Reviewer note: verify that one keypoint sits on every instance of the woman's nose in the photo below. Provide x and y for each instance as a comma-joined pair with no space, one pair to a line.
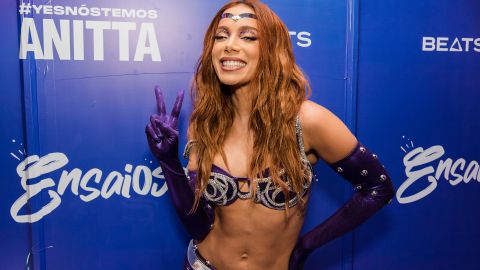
232,44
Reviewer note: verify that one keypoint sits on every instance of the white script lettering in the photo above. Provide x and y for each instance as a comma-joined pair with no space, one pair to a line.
419,157
33,170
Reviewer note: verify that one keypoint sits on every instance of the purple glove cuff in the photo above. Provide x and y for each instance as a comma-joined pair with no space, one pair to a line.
198,223
374,189
363,169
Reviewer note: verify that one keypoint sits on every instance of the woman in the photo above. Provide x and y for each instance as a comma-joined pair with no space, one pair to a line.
253,137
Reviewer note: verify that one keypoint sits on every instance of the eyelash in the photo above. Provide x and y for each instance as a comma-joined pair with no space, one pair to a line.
250,38
218,37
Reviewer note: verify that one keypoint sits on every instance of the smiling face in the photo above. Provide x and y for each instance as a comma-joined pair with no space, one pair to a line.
236,51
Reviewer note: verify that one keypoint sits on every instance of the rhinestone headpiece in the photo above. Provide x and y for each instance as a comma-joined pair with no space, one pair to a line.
239,16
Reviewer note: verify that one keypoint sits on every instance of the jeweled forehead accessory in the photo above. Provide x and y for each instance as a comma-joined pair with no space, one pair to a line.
235,18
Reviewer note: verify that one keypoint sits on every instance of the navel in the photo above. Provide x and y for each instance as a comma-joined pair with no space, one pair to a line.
244,256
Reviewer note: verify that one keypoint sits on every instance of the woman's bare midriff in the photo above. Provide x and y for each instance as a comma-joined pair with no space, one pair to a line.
248,235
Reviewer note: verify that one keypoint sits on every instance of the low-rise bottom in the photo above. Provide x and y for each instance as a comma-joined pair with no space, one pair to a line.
194,260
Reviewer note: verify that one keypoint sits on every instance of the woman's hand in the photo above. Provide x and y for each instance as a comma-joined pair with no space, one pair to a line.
298,257
162,136
329,138
162,131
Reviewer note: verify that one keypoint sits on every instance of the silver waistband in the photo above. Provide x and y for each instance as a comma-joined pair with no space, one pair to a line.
195,262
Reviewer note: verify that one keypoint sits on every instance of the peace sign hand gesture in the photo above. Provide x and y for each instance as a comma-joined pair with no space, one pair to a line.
162,131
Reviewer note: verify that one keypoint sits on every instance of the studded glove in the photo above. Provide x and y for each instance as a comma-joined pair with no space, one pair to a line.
373,190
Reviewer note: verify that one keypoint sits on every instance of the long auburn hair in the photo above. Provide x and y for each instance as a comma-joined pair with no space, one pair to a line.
281,88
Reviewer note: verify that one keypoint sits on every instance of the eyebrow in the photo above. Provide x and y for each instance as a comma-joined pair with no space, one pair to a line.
242,28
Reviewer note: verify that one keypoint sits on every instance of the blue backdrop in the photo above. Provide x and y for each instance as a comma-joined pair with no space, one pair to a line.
80,189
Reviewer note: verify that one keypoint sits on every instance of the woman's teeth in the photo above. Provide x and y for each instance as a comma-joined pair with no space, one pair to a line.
233,64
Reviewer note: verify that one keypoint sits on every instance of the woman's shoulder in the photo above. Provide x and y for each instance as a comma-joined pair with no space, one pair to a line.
324,133
310,109
313,115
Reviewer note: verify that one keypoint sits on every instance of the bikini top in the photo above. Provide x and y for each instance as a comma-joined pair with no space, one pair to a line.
223,189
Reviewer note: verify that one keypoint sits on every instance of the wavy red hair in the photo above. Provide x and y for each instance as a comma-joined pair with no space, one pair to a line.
281,88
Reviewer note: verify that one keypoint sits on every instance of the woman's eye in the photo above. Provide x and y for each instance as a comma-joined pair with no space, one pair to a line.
219,37
249,38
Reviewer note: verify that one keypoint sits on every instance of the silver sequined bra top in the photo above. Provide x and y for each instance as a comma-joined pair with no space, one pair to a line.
223,188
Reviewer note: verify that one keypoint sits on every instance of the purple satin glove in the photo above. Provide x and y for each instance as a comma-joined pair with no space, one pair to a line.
162,137
374,190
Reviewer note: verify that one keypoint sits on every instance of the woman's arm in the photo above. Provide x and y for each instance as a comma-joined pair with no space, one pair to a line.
162,137
330,140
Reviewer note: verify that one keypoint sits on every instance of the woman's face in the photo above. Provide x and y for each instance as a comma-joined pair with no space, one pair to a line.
236,50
